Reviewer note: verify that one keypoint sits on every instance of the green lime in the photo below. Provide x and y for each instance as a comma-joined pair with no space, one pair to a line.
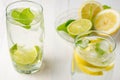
25,16
63,26
24,55
79,26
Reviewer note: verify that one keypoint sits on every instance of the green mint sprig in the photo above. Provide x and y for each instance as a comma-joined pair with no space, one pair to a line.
99,50
106,7
63,27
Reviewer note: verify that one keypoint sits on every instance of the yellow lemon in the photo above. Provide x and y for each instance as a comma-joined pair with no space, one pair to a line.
107,21
88,68
89,9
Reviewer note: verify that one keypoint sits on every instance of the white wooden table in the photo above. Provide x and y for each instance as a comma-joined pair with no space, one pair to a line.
57,52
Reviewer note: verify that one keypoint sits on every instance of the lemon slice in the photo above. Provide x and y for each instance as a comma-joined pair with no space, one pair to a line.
107,21
90,72
90,9
80,60
90,68
79,26
110,67
24,55
86,70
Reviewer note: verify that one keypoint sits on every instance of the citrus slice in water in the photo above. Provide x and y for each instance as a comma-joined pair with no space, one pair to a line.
82,65
79,26
90,9
24,55
107,21
80,60
88,68
88,71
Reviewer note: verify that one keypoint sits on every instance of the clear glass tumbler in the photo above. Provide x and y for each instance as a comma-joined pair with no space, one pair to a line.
25,28
93,57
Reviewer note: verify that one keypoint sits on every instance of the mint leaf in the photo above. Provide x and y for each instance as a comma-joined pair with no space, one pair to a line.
83,43
68,22
99,50
25,17
63,27
13,48
106,7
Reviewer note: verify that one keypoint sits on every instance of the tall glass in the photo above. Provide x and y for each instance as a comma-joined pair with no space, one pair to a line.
25,28
93,57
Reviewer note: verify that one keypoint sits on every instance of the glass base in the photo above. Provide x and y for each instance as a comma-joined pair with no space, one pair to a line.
28,69
83,76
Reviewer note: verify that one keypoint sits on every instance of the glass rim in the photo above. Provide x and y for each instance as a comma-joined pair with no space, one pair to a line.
18,2
96,31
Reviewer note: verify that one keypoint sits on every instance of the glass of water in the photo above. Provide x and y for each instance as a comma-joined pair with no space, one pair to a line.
25,29
93,57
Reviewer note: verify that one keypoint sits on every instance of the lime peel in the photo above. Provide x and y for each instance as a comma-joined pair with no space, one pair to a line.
63,27
24,56
25,17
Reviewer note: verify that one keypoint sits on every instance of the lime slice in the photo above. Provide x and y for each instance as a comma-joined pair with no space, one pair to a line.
63,27
79,26
24,55
90,9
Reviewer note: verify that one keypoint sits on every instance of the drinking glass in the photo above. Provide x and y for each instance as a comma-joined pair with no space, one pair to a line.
25,29
87,64
93,57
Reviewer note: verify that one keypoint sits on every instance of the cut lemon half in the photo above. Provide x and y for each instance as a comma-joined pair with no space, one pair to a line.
79,26
107,21
89,9
24,55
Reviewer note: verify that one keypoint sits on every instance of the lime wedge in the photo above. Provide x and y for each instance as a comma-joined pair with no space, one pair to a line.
25,17
79,26
22,55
